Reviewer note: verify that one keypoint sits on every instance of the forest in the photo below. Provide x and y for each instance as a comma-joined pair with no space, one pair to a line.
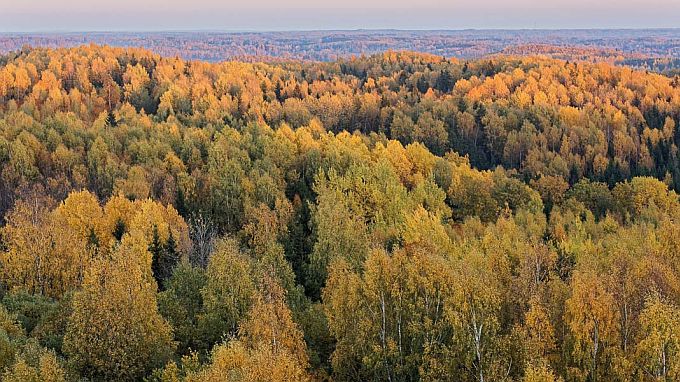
329,45
393,217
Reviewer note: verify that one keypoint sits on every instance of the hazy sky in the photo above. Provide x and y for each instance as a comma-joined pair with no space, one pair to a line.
79,15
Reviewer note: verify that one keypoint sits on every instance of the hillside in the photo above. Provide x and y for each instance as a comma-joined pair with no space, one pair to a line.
396,217
329,45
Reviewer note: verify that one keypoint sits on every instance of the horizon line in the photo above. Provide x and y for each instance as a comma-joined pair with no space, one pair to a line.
236,31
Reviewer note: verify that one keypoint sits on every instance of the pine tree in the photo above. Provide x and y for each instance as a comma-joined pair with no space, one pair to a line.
119,229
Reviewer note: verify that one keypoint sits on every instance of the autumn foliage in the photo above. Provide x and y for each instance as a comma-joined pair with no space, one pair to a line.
396,217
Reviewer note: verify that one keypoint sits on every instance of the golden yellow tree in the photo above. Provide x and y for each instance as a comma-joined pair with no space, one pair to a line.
658,352
593,321
44,255
115,331
269,347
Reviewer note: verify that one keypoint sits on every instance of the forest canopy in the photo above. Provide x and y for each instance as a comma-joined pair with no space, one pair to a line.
394,217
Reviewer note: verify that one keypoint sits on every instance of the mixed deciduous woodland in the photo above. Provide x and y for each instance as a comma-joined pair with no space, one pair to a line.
396,217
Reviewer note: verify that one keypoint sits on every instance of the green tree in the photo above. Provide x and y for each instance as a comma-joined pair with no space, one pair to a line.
228,292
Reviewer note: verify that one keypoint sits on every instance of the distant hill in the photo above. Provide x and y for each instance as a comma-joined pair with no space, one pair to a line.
330,45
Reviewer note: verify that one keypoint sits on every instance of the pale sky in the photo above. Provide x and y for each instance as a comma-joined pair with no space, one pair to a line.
273,15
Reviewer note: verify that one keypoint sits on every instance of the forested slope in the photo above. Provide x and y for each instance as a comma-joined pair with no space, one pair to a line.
397,217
